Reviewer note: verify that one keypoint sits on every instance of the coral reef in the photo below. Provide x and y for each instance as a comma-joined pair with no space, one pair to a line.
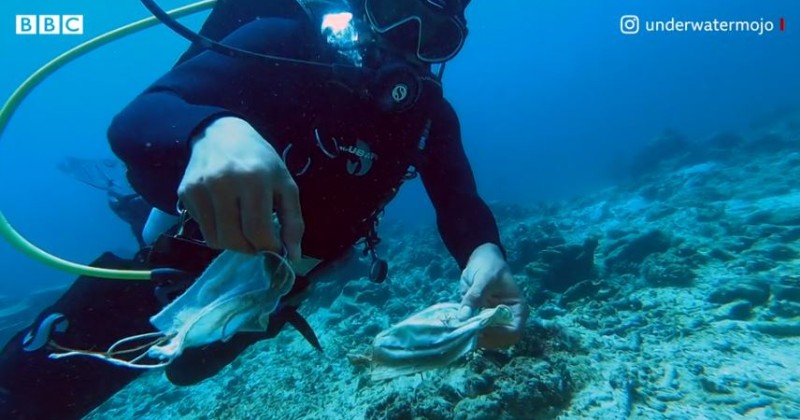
673,296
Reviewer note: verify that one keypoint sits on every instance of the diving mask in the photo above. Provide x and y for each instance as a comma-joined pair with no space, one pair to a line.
440,24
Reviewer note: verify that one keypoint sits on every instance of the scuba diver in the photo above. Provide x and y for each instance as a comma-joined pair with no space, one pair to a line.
109,175
317,111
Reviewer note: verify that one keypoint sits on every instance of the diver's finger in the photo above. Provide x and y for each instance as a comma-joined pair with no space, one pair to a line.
256,221
501,336
229,222
290,216
198,204
267,199
467,277
472,298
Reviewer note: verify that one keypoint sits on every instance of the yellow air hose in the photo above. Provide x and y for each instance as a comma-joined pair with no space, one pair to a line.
10,106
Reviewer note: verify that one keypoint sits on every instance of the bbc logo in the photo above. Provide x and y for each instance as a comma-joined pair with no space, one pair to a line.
49,24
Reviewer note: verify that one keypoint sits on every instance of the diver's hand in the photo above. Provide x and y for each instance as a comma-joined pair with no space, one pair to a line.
231,182
487,282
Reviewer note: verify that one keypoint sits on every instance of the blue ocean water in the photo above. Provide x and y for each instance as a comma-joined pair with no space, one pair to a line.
554,103
551,97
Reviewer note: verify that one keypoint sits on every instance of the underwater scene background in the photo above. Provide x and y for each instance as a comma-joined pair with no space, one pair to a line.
646,186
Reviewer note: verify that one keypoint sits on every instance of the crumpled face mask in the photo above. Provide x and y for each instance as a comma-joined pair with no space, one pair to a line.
430,339
236,293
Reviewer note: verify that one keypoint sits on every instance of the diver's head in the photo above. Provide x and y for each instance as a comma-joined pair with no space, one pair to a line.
430,31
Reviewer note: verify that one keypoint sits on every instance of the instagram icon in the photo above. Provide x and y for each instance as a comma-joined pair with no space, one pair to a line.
629,24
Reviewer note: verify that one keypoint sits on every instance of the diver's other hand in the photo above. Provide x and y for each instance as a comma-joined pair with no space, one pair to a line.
486,283
231,182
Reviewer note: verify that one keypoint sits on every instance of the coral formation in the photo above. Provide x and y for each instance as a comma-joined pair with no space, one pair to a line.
673,296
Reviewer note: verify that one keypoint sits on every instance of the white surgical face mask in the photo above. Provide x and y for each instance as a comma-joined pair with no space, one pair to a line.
236,293
432,338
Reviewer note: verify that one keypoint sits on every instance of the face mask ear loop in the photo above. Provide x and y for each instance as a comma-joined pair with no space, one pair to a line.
109,355
111,360
282,264
161,338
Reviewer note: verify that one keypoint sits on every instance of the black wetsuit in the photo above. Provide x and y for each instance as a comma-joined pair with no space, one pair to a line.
321,124
347,157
